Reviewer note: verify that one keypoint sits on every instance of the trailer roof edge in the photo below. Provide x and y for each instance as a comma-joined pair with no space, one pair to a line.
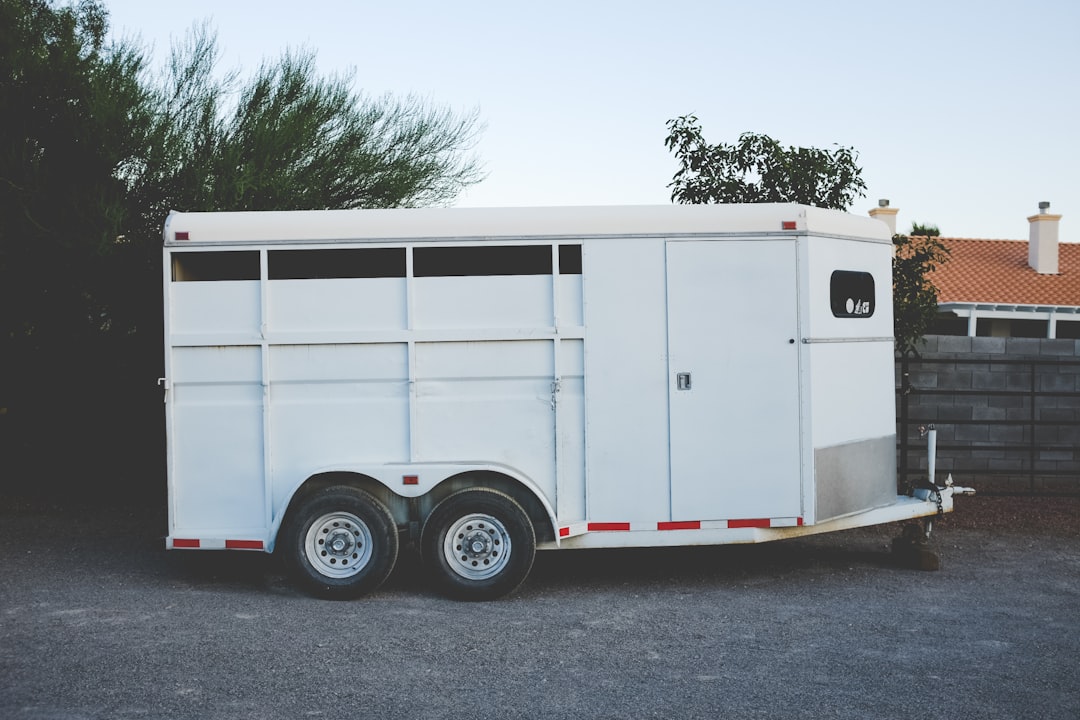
474,223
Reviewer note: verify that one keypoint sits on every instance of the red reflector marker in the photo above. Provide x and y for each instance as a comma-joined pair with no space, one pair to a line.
181,235
410,480
608,526
750,523
679,525
786,225
243,545
185,543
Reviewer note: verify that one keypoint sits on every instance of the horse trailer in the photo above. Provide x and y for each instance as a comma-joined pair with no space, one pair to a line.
490,382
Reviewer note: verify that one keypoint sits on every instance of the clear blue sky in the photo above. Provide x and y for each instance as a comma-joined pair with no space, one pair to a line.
964,114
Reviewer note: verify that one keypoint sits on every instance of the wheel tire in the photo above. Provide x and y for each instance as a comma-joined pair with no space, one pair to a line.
340,543
500,550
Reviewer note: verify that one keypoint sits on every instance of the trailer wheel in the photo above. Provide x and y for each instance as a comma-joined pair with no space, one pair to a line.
340,543
479,544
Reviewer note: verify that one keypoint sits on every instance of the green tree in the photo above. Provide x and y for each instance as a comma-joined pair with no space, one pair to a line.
915,299
288,138
757,169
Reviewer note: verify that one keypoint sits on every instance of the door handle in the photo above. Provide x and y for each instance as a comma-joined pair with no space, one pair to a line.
682,381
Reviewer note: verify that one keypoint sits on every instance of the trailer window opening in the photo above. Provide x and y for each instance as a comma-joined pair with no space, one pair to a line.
215,266
474,260
851,294
337,263
569,259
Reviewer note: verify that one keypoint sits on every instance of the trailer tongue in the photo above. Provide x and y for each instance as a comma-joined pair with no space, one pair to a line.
924,503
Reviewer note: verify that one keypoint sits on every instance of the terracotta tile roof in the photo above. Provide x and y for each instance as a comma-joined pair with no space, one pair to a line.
997,271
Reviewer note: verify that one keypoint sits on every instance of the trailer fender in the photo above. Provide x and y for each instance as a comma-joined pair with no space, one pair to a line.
425,484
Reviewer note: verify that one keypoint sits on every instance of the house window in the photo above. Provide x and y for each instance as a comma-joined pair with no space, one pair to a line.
1002,327
1068,329
1030,328
948,324
851,294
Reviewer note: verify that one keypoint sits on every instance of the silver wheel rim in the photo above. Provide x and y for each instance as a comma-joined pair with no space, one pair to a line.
477,546
338,545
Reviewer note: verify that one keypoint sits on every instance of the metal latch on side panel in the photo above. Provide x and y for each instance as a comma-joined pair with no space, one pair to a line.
682,381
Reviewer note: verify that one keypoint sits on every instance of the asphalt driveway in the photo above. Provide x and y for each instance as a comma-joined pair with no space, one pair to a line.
98,621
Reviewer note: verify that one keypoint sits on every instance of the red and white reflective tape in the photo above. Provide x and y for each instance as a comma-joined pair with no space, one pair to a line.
587,527
213,544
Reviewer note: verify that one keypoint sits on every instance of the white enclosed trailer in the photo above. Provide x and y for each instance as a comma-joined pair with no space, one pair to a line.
493,381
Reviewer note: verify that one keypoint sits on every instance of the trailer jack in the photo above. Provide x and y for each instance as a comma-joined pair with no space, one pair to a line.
912,547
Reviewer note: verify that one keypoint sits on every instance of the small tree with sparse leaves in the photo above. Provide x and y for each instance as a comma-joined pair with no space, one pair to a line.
915,299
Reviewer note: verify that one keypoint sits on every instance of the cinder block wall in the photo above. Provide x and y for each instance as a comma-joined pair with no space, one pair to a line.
1007,412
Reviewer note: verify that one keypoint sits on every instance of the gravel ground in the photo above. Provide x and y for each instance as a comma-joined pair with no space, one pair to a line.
97,621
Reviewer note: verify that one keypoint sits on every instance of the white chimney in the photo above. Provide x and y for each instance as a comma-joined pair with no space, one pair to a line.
1043,241
885,214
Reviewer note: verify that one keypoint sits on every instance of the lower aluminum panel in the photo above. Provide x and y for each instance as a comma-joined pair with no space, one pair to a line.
854,477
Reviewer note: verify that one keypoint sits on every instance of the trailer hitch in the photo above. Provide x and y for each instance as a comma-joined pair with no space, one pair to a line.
929,488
